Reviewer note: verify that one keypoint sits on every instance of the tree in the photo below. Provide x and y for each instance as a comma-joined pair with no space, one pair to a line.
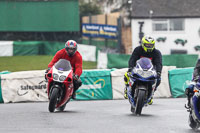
88,8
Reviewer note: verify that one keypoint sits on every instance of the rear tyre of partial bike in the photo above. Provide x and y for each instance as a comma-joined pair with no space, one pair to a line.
194,125
140,102
53,99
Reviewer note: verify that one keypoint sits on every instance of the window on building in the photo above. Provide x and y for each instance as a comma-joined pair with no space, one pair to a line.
176,24
168,25
160,25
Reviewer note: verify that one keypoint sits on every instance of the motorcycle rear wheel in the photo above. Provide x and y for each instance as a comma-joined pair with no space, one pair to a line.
53,99
139,102
63,107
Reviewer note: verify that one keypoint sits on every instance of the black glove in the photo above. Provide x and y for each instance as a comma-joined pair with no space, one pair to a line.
196,78
46,73
130,69
75,77
47,70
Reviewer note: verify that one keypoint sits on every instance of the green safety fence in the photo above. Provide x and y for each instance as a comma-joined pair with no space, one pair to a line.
178,80
25,48
36,47
117,60
96,85
1,98
50,48
178,60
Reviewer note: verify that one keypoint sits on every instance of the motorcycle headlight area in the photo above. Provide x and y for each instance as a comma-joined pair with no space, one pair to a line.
145,74
62,78
55,76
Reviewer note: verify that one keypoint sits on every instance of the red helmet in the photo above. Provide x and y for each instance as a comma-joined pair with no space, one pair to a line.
71,47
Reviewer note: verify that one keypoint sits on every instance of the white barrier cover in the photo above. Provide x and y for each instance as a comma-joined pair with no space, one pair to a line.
6,48
102,60
88,52
24,86
117,79
163,89
117,76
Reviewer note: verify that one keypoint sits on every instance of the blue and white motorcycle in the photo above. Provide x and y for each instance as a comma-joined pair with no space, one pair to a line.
194,106
142,84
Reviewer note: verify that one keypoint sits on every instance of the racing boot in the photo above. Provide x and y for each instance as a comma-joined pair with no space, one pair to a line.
151,101
74,95
125,93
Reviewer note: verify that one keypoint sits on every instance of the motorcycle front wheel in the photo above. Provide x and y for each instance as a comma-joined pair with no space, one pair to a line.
53,99
139,102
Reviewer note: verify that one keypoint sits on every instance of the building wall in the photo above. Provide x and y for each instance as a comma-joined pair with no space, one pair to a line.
191,34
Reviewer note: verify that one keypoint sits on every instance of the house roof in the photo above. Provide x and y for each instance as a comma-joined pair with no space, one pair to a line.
165,8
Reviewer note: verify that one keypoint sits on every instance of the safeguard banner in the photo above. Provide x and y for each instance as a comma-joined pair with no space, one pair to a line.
96,85
99,30
28,86
23,86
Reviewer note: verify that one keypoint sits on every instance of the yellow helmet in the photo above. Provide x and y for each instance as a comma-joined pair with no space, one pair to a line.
148,43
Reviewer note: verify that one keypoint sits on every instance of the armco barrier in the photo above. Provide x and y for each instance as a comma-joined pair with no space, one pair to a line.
24,86
178,80
97,84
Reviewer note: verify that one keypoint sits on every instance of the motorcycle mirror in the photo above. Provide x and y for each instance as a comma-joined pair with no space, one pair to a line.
49,75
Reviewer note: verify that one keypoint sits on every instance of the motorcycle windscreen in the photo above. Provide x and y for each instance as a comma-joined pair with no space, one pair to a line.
145,63
63,65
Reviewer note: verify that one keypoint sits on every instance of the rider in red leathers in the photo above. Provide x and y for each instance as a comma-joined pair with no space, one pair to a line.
71,54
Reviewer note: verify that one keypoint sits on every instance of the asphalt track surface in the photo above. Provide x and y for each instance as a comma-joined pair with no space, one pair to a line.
104,116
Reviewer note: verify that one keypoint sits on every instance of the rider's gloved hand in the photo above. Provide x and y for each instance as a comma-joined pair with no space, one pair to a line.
46,73
196,78
130,69
75,77
189,90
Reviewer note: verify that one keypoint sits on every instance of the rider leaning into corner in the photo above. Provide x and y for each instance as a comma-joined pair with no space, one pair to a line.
71,54
147,49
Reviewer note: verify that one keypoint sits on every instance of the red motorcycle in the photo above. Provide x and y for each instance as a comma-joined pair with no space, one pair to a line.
60,85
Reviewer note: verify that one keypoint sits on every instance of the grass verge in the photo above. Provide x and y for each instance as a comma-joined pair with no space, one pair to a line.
26,63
